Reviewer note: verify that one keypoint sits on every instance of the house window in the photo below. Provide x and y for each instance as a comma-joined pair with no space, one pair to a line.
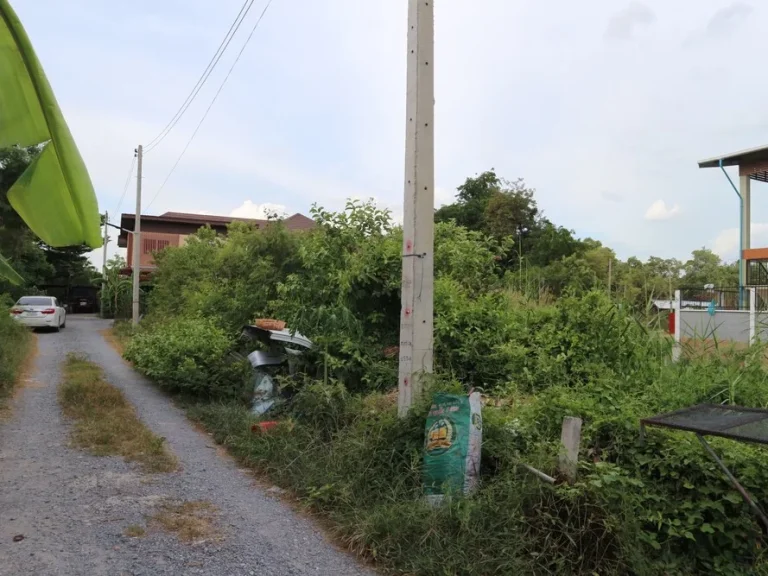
154,245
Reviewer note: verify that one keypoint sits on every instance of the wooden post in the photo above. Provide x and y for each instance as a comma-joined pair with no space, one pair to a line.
570,440
418,208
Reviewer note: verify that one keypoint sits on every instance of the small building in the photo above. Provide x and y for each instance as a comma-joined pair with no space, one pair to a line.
173,229
753,167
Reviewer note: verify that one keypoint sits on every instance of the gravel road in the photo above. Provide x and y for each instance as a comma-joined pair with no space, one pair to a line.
72,508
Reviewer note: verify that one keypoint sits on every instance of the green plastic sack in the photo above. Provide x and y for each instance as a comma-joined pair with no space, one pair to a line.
452,447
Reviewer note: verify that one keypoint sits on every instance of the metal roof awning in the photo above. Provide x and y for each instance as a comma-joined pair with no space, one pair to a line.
755,160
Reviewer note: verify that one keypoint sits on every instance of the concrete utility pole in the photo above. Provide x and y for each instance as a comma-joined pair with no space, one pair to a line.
416,319
104,262
137,238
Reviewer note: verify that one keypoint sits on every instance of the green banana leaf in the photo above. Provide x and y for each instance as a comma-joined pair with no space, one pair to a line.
54,196
9,273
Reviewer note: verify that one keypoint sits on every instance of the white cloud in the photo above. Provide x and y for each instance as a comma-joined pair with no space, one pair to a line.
726,244
659,211
726,19
623,24
259,211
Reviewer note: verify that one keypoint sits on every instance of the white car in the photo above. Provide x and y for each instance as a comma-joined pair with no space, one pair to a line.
40,312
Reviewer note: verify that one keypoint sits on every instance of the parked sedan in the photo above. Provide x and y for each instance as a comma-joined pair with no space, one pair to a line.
40,312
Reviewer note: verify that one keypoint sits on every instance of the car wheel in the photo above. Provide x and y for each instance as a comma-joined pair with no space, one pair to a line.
65,323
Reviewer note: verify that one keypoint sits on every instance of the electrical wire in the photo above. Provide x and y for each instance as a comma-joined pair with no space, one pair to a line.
127,182
233,28
239,54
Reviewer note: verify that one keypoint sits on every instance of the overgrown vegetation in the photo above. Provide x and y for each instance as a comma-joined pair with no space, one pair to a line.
105,423
15,343
538,355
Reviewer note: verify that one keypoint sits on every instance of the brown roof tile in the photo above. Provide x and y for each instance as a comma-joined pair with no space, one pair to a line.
295,222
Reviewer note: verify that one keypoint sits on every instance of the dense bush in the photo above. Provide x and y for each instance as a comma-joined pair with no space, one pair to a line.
229,282
14,347
189,355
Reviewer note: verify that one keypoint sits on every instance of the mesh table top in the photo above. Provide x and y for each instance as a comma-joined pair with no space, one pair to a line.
735,422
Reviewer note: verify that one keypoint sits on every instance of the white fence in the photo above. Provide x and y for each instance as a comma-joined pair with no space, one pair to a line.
746,326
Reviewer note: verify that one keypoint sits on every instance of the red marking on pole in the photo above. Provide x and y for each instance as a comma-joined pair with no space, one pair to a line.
407,311
408,245
405,380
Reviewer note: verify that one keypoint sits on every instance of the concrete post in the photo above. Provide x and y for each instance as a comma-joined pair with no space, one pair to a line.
752,316
416,316
676,347
570,440
137,240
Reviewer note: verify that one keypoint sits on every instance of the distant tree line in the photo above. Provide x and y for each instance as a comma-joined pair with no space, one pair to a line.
542,256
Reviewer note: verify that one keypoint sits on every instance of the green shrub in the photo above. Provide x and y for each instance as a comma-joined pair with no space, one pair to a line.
15,341
189,355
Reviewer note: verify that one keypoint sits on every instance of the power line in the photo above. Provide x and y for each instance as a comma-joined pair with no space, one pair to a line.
127,182
239,54
234,27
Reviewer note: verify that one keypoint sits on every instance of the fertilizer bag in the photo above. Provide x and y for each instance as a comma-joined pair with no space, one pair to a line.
454,436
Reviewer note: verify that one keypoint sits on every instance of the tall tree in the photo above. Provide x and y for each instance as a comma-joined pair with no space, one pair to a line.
706,267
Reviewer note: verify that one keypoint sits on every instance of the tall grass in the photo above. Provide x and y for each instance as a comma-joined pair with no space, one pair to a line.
15,345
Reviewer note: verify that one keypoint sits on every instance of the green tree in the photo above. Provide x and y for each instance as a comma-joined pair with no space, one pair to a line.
706,267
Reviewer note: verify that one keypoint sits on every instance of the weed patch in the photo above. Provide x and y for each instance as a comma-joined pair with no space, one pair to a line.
105,423
190,521
134,531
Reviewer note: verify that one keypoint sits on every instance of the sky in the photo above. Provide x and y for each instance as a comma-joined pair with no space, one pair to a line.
603,107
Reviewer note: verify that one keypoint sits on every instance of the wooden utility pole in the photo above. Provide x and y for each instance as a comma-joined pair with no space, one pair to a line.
416,319
137,238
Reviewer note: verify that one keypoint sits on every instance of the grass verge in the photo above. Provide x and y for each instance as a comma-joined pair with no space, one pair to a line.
118,335
105,423
190,521
17,348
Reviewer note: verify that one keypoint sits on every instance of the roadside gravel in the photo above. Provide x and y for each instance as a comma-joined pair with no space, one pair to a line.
72,509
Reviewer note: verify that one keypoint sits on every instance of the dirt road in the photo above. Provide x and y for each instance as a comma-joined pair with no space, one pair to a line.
72,509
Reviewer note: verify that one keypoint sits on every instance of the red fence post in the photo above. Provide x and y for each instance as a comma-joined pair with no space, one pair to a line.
672,322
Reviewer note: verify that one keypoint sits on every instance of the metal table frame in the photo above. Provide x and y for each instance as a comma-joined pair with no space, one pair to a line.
752,415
